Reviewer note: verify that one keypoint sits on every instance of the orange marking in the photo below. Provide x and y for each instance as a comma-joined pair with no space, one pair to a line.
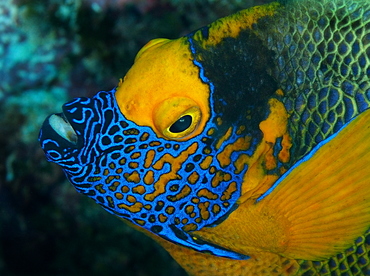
139,190
109,179
216,209
114,186
135,155
219,121
149,178
193,178
240,130
140,222
226,195
94,178
207,194
270,160
284,154
257,180
131,131
133,165
176,163
242,143
149,158
203,208
232,25
279,92
185,191
211,131
106,172
170,210
144,137
100,188
110,201
217,179
132,177
112,165
135,208
162,218
206,162
125,189
190,227
118,195
224,138
122,161
189,209
195,200
154,144
120,170
212,170
184,221
131,199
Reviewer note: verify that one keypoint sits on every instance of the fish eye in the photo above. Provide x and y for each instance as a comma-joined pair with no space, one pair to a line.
181,124
177,118
184,124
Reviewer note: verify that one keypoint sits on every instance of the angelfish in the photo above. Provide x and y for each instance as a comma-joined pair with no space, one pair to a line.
243,148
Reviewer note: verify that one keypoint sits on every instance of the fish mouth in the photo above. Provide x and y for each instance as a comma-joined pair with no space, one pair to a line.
56,127
60,124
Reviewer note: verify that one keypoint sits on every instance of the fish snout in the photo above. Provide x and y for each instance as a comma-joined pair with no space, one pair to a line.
57,137
61,134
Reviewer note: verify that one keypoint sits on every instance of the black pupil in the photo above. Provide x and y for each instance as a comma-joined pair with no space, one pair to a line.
181,124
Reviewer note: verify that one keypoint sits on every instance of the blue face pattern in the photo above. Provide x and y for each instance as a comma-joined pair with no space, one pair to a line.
167,187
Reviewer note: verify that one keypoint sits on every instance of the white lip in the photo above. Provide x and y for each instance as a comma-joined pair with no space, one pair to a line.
63,128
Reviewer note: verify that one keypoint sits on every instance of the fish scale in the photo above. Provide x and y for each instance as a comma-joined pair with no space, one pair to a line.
318,53
244,151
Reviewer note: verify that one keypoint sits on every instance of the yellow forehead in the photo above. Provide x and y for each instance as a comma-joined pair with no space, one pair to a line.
163,83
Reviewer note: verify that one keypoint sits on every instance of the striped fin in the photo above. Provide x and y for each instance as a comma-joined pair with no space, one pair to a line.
317,210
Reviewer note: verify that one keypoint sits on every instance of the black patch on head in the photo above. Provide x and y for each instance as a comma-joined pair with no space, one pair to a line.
240,70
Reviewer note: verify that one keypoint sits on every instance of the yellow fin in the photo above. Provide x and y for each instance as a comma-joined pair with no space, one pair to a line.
316,211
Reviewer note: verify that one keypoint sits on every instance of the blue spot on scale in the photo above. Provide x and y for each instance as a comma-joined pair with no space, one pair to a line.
333,97
362,105
343,69
317,35
355,70
349,37
349,109
355,48
312,128
323,93
347,60
348,88
325,128
323,108
362,60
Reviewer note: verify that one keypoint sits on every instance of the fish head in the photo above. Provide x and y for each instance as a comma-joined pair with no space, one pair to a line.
153,150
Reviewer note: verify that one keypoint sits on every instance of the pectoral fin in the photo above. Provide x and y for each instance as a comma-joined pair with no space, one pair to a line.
316,210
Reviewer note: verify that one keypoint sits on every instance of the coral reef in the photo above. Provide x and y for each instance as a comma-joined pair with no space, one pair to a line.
52,51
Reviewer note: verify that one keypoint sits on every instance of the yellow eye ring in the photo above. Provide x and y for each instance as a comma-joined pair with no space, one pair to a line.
184,125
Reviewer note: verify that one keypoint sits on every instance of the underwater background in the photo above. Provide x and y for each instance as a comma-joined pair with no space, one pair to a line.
50,52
